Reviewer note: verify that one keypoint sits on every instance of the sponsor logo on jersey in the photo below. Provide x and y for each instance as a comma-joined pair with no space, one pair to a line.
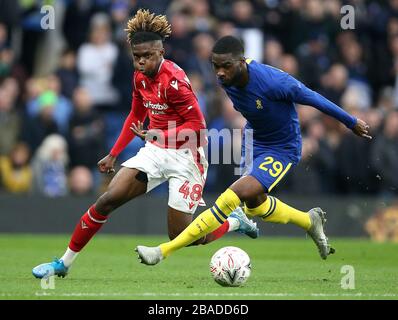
174,84
155,106
157,112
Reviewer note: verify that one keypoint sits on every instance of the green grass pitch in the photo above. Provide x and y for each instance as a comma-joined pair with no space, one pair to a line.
282,268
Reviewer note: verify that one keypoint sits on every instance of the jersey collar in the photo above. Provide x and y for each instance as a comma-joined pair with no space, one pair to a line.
160,66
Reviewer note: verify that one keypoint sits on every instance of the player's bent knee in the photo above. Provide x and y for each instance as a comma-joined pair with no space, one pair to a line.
256,202
245,195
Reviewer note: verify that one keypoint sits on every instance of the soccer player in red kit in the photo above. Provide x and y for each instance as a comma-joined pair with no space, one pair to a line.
161,92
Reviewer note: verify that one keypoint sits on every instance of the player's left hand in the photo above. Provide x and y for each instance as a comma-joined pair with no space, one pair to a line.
362,129
139,131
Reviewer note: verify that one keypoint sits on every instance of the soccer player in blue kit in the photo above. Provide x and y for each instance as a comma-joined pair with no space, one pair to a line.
266,97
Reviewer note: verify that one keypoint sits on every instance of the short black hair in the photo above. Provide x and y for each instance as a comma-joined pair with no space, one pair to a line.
144,36
229,44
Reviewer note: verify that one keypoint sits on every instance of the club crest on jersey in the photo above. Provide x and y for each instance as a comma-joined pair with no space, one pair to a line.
143,84
259,104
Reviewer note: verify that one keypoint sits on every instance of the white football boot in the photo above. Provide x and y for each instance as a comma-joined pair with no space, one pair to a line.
316,232
149,255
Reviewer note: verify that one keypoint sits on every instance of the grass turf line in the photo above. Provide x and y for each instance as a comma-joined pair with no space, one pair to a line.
282,268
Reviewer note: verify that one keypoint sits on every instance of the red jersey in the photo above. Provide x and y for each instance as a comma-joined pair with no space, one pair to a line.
168,101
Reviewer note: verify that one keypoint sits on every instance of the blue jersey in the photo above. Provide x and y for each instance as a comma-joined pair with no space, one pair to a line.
268,104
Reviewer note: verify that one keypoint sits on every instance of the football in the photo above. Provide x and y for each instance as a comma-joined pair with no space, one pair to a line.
230,266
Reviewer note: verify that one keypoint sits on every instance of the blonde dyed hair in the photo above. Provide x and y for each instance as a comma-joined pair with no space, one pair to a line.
145,21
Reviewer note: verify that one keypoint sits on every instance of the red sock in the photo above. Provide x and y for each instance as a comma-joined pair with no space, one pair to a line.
86,228
218,233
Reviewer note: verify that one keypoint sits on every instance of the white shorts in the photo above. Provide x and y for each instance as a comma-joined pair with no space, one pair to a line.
186,175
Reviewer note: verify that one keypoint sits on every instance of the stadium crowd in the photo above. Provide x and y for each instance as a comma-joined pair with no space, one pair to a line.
64,93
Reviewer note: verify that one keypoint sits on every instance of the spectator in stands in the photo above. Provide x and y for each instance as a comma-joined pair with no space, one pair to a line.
313,59
243,15
387,100
179,47
10,122
80,181
205,97
119,14
32,33
51,93
9,67
357,69
15,170
11,86
36,129
49,167
385,155
75,26
305,178
67,73
226,28
353,57
122,78
199,61
315,20
354,173
95,62
3,45
86,138
201,19
356,97
382,226
334,83
324,162
273,53
289,64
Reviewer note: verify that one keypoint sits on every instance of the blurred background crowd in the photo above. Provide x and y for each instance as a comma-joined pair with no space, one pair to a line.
64,93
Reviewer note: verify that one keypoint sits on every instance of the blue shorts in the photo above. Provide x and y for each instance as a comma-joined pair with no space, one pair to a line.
268,167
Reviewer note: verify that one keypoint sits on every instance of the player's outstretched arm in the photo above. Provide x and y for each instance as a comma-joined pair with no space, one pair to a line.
289,88
361,129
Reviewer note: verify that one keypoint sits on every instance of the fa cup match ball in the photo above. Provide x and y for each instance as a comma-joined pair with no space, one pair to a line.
230,266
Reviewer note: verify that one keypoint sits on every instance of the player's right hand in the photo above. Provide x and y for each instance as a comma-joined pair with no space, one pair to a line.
362,129
106,165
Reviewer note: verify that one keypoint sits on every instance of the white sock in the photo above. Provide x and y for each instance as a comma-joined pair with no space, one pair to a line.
233,224
68,257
